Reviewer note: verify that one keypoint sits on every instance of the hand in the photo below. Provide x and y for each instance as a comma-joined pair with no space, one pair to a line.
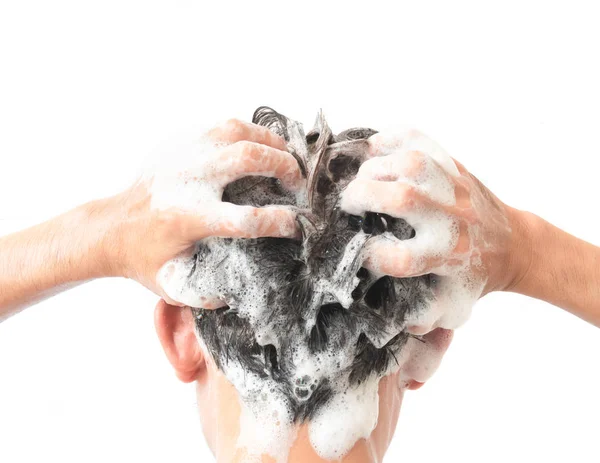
175,205
463,233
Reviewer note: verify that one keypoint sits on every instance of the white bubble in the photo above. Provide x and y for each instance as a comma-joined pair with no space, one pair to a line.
187,180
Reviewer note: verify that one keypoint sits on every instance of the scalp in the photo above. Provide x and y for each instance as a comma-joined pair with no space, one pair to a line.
297,302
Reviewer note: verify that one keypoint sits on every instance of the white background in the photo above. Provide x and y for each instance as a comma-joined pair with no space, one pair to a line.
87,89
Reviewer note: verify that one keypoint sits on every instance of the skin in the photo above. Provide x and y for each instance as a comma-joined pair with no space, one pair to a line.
219,402
505,248
501,248
101,238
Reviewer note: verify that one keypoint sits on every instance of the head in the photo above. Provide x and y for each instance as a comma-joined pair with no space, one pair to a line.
309,356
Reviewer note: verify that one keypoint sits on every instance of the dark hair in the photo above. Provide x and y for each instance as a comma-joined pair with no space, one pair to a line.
356,312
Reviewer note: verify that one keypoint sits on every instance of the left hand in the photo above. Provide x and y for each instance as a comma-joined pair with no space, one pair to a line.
162,216
462,231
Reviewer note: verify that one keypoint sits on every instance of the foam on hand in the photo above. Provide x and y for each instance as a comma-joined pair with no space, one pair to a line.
411,159
190,175
306,333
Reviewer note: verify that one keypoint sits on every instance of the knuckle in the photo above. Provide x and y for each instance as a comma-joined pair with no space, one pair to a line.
462,245
255,222
271,137
416,155
233,125
397,264
228,131
179,225
255,213
462,186
406,262
413,163
244,147
284,161
463,197
168,223
406,194
468,215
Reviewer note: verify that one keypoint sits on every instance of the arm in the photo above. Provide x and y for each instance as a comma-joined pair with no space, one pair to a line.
133,234
558,268
48,258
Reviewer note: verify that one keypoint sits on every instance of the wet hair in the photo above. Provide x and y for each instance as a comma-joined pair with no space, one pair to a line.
316,300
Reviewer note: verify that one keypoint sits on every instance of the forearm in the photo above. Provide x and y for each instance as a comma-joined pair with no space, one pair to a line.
558,268
49,258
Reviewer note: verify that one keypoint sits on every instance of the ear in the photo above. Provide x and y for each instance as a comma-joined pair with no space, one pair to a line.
175,328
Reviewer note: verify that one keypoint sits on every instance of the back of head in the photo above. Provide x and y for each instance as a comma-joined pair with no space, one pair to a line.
307,332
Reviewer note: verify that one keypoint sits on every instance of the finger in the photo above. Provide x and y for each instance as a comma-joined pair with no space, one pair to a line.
420,142
430,251
414,385
405,200
163,305
208,302
387,142
393,198
398,259
212,302
245,158
407,164
383,144
235,130
171,279
413,168
177,296
171,302
202,301
461,168
232,221
439,339
254,222
426,355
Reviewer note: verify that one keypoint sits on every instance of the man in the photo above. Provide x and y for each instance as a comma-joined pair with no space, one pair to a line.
486,244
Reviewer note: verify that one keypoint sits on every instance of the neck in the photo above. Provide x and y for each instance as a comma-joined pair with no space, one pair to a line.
220,412
302,451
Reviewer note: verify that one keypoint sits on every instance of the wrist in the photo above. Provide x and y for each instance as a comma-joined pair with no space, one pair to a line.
98,222
525,232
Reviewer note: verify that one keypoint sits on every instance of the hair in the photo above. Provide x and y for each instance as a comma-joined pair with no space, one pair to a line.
315,301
